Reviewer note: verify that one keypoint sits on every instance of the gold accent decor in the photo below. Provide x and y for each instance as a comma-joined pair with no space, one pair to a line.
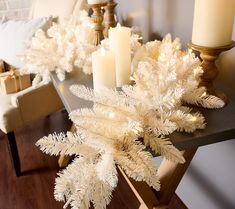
98,18
209,55
110,21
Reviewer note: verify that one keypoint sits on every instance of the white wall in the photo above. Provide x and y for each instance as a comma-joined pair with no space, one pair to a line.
158,17
210,180
15,9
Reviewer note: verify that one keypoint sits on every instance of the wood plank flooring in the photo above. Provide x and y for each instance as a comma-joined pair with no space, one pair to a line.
34,190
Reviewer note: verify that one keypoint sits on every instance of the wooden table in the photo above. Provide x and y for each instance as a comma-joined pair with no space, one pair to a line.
220,127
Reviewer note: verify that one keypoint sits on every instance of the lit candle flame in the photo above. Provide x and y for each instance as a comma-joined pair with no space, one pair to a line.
119,27
102,51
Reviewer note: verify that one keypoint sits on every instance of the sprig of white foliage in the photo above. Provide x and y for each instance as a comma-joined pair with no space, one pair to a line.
63,47
122,124
199,97
179,68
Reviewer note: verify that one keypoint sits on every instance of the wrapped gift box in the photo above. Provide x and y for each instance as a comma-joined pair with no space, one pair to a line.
12,82
2,67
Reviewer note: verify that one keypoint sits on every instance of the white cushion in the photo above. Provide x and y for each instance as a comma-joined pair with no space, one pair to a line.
15,37
60,8
10,117
28,105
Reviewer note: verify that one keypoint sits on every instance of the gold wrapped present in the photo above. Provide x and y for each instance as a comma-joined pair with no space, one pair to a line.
12,82
2,67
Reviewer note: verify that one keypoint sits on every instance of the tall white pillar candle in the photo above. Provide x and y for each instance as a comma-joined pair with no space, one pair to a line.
103,67
96,1
120,45
213,22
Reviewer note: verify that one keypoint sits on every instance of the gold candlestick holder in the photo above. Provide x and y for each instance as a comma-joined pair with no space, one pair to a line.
110,20
209,55
98,18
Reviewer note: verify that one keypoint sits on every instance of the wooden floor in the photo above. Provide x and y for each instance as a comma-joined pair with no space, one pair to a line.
34,190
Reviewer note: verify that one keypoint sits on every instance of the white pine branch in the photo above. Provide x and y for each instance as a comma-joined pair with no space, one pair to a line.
186,121
78,185
83,92
164,147
106,169
200,98
138,164
158,124
61,144
102,195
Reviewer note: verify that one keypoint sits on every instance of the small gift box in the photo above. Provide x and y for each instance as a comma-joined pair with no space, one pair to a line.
12,82
2,67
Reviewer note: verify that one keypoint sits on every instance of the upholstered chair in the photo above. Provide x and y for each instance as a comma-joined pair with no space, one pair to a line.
33,103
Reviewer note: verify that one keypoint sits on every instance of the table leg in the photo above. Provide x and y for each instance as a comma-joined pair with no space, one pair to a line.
64,159
170,175
142,191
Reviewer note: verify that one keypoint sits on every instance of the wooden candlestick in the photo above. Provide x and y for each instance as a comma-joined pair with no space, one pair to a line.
110,20
98,18
209,55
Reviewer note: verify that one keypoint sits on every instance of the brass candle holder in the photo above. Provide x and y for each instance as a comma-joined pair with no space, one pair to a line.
209,55
110,16
98,18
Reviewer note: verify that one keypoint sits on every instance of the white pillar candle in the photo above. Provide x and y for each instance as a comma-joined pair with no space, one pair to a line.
96,1
213,22
120,45
103,67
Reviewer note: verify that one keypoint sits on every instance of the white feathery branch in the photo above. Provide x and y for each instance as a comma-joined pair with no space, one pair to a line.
111,132
187,122
164,147
62,144
201,98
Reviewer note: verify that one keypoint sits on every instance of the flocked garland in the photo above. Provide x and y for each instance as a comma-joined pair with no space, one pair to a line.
121,124
63,47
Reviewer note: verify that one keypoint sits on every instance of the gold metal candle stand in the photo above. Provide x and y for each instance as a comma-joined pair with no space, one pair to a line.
110,16
209,55
98,18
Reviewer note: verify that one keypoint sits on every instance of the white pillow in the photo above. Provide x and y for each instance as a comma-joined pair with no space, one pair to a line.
15,37
60,8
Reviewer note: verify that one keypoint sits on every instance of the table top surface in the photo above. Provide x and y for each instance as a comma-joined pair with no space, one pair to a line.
220,122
